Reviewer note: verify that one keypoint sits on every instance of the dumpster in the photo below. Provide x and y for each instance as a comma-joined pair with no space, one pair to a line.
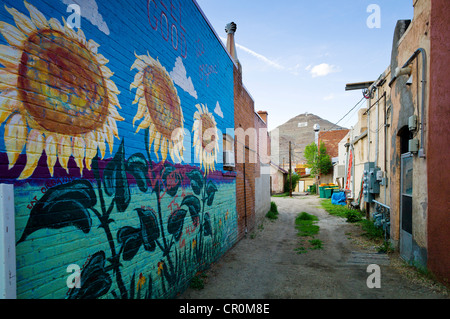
321,191
328,192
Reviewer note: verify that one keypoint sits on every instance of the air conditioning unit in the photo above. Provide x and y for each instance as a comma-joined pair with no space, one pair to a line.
228,158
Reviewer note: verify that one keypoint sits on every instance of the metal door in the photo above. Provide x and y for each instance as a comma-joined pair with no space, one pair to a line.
406,191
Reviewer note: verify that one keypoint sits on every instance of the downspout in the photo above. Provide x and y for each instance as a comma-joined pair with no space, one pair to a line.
245,196
377,131
422,152
385,150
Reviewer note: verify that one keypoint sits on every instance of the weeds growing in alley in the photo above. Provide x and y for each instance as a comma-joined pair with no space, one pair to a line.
306,227
272,214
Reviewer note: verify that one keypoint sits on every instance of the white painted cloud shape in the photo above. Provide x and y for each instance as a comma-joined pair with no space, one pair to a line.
218,110
89,10
179,76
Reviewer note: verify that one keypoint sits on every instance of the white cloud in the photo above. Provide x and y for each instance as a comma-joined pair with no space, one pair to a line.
179,76
218,110
329,97
321,69
89,10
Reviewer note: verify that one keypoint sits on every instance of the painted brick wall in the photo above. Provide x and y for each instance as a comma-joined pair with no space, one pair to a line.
101,131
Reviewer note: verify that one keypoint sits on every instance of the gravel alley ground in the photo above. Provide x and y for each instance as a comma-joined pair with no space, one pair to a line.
265,264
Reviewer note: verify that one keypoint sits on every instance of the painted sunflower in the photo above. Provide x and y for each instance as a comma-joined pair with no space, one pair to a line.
56,95
206,141
159,106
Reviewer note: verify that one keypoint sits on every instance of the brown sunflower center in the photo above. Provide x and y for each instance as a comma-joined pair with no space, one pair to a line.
162,101
208,133
61,84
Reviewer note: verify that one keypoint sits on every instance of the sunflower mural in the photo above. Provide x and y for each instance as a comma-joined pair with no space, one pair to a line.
206,142
140,227
57,95
159,106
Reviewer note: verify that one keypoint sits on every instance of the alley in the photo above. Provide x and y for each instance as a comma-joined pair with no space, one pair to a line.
265,264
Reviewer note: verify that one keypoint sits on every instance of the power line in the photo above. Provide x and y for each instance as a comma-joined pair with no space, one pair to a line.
363,98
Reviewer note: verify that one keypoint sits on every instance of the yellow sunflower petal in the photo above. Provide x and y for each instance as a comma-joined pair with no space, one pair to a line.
113,100
152,133
139,94
64,151
79,147
8,79
109,135
69,31
107,73
37,17
138,64
91,149
101,143
10,56
164,148
56,25
22,21
142,110
113,127
114,114
51,150
82,39
99,57
8,104
137,80
157,144
110,84
35,147
92,46
145,123
14,36
15,137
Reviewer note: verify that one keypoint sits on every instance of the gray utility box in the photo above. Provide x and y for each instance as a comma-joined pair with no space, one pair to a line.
371,184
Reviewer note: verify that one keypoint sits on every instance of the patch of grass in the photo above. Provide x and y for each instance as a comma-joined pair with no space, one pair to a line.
198,282
306,226
371,231
281,195
272,214
351,215
316,243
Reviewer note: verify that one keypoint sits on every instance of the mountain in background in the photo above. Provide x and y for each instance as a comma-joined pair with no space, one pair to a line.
300,131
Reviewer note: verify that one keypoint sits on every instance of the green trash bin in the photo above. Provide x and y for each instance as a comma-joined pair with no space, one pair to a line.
321,192
327,192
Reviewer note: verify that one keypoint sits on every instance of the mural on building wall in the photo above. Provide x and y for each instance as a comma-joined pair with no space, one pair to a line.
141,222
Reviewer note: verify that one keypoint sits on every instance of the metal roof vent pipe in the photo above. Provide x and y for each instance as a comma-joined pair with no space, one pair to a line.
230,29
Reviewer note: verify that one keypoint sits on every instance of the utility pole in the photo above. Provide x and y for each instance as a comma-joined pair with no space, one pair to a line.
290,171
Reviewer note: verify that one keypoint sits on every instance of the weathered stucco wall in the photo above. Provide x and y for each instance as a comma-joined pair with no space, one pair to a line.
406,101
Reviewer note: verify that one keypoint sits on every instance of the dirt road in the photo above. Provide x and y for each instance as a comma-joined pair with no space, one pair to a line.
265,265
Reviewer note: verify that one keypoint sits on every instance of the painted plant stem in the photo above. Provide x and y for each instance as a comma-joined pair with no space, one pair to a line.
104,223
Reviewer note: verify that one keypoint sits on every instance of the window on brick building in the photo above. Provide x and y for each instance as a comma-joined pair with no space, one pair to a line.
228,152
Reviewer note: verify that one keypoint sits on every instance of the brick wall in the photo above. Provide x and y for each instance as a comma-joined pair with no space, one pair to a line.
245,165
116,195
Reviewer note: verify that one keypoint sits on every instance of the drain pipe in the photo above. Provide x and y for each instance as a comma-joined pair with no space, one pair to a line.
398,73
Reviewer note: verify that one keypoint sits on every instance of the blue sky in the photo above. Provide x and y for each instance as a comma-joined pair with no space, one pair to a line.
297,55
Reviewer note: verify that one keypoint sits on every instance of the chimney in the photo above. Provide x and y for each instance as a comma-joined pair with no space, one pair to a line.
263,115
230,29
